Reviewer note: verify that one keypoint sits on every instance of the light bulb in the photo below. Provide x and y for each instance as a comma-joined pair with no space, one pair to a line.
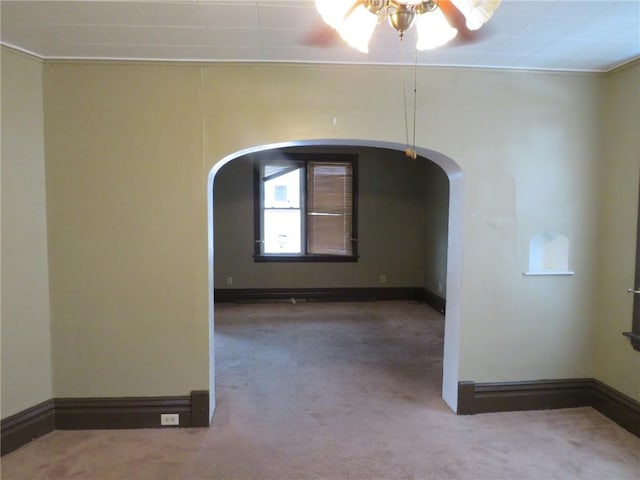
357,28
433,30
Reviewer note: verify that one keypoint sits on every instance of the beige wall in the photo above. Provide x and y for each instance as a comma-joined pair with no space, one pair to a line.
26,338
616,364
391,228
129,148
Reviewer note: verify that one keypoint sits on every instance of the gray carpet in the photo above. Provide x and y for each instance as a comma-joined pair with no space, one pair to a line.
338,391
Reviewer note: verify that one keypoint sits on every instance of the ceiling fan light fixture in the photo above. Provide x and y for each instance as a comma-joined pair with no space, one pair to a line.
476,12
375,6
333,12
402,18
358,28
433,30
353,21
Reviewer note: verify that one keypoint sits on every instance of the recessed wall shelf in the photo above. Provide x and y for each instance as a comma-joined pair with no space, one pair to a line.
549,255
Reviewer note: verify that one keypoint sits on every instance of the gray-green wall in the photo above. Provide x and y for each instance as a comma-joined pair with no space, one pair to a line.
127,154
402,229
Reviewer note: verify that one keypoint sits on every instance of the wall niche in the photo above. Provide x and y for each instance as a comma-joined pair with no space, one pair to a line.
549,254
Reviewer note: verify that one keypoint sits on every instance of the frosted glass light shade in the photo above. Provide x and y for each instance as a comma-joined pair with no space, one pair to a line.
333,11
477,12
355,23
433,30
356,29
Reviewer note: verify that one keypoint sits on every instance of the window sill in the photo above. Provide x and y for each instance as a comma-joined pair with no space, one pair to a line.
304,258
635,339
548,273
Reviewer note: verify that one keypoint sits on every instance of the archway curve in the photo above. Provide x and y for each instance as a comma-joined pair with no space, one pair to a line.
451,357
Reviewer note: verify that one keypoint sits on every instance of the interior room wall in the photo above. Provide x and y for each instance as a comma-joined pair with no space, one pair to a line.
25,319
129,148
616,363
127,236
436,218
391,228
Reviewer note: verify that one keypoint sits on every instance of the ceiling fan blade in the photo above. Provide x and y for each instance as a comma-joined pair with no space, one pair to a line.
324,34
457,20
320,35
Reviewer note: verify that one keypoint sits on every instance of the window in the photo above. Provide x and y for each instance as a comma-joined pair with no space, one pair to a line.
634,334
305,207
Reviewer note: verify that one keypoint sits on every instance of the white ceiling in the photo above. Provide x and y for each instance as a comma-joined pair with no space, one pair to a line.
571,35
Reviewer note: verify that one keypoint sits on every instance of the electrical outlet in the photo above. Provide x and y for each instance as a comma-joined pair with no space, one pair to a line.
169,419
383,278
229,280
439,287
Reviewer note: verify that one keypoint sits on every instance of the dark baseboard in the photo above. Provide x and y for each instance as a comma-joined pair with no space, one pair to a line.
257,295
518,396
247,295
435,301
620,408
102,413
549,394
130,412
200,408
126,412
25,426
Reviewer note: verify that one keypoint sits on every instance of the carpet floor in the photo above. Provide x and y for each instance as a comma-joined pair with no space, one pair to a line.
338,391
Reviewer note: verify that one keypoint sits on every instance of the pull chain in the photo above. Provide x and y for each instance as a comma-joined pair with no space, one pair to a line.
404,95
410,151
415,103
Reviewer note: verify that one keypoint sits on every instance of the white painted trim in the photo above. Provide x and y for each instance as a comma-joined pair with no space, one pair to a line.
550,273
451,357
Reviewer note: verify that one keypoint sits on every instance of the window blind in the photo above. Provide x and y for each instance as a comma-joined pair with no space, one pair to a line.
329,208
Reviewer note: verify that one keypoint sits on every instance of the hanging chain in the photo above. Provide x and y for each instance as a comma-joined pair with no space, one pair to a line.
410,151
415,101
404,92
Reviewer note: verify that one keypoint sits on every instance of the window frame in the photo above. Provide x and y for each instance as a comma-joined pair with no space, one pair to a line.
634,334
302,159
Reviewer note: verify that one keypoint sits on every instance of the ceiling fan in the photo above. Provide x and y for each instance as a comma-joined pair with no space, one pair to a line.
437,21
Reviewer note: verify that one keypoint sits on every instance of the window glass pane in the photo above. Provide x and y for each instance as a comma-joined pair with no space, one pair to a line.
305,207
270,170
283,191
282,231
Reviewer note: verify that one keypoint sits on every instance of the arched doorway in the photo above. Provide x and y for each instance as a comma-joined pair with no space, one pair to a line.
454,251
